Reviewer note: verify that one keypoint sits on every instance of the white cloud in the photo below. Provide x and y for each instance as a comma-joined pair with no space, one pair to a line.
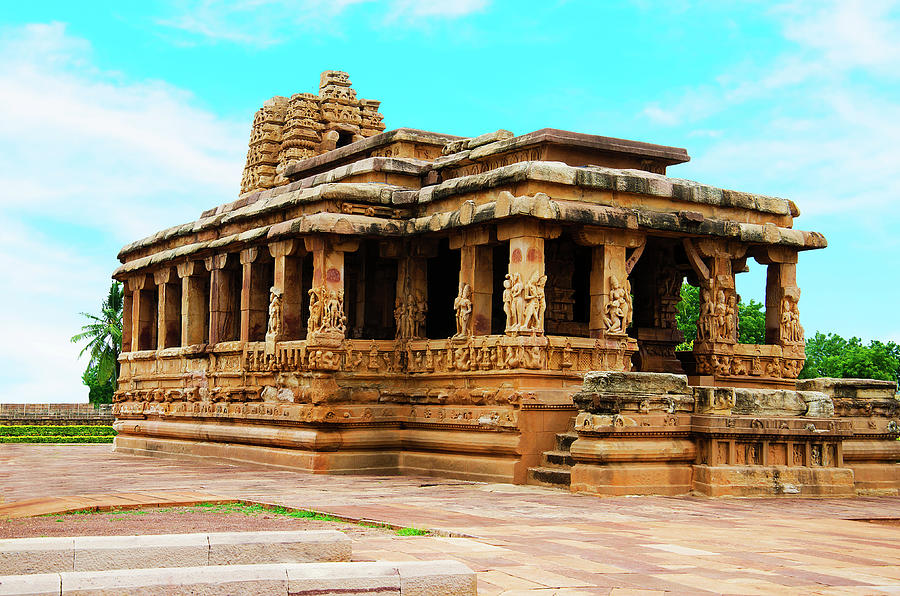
89,161
268,22
847,33
438,8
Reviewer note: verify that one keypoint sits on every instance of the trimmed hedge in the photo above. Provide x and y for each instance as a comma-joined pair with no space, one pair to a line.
56,431
56,439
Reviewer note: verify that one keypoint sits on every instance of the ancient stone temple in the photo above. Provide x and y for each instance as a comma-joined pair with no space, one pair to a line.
497,308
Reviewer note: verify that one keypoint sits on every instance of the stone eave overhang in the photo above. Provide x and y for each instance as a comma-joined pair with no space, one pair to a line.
540,207
598,178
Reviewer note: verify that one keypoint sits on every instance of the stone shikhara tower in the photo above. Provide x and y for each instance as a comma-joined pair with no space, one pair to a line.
287,130
497,308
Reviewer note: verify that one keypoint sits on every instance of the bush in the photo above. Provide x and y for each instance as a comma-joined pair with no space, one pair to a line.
56,431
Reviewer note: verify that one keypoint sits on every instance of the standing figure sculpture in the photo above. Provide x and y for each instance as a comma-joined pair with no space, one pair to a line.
731,319
517,307
507,301
705,321
535,304
274,329
418,322
618,308
463,307
721,316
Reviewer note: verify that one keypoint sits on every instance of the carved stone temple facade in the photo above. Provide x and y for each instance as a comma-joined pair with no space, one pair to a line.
497,308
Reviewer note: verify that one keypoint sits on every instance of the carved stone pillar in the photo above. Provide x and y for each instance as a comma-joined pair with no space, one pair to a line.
782,295
411,305
476,271
169,300
287,281
524,300
611,305
127,308
712,261
224,300
327,323
256,283
194,302
143,312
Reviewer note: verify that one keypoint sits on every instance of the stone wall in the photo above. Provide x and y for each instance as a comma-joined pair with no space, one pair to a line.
56,414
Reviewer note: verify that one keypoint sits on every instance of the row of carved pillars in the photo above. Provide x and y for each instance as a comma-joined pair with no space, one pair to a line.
611,264
227,296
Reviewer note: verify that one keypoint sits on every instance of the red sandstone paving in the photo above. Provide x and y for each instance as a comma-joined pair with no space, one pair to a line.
528,540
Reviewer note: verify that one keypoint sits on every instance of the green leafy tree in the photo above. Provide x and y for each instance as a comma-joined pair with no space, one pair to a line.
687,315
833,356
103,334
751,319
751,322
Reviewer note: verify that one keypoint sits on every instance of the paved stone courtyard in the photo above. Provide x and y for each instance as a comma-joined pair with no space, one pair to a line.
525,539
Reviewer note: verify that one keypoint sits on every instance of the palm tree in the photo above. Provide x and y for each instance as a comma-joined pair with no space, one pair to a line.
104,335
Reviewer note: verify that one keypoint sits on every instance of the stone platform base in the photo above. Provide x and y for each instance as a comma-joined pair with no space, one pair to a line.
481,468
772,481
631,479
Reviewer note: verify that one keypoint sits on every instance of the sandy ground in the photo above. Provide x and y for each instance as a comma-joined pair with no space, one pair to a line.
173,520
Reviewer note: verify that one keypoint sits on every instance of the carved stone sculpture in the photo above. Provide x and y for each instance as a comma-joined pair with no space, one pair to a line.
524,303
326,311
618,309
791,330
463,307
275,297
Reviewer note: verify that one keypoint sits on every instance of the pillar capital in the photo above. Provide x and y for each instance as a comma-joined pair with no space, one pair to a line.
284,248
142,281
216,262
190,269
249,255
164,276
470,237
525,228
777,254
592,236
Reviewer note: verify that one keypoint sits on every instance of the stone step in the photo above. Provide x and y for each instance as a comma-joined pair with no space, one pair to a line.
426,578
546,476
558,459
20,556
564,440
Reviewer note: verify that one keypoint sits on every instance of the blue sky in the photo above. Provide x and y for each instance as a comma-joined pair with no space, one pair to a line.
117,119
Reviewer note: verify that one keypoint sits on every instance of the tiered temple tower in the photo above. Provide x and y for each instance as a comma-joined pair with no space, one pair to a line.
286,131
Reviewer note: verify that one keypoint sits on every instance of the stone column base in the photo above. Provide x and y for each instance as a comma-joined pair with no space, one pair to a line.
768,481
